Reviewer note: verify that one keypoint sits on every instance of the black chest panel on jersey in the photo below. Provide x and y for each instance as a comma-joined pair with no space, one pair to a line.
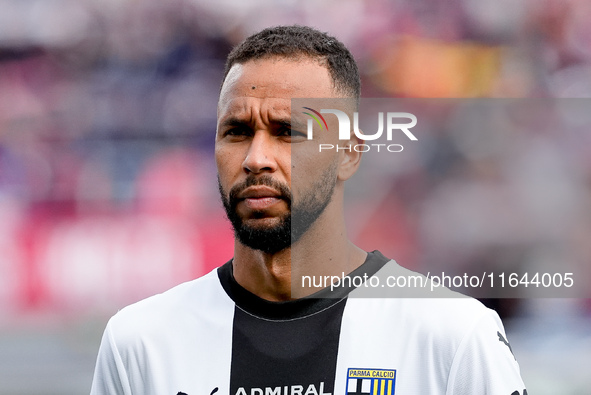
271,354
285,348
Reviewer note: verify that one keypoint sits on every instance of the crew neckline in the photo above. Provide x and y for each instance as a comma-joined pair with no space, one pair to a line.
298,308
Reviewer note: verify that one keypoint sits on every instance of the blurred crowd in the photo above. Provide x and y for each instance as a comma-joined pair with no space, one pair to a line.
107,119
108,189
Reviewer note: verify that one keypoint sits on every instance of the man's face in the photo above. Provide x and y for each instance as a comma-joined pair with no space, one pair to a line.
254,145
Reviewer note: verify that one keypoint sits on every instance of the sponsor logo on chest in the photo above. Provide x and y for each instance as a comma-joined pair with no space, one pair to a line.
285,390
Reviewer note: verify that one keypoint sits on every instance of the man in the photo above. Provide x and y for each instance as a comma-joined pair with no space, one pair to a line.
239,330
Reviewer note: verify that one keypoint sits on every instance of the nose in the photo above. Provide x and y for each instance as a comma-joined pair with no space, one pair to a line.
260,155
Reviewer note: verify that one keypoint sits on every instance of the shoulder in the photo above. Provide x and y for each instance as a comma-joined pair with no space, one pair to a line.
451,329
437,312
145,338
202,297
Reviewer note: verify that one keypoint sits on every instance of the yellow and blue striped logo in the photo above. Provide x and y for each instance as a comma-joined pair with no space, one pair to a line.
371,381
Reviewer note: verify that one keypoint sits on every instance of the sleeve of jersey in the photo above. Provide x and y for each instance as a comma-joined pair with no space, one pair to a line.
110,376
484,363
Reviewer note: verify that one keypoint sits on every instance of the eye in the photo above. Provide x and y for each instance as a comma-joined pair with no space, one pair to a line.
289,132
284,131
238,132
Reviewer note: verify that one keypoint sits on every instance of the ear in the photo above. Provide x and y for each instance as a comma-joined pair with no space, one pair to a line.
350,159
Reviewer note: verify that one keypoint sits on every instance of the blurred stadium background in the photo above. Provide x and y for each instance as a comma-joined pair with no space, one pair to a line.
107,182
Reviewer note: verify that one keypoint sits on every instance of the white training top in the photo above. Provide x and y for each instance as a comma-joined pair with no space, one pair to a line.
211,336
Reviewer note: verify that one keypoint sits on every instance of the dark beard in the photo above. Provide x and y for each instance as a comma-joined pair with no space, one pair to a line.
272,239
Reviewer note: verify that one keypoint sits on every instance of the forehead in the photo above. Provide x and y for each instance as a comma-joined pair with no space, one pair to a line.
272,83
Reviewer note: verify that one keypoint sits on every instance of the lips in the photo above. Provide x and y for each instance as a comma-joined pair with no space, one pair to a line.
260,197
259,191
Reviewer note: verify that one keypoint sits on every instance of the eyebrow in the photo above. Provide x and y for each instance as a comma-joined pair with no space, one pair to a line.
234,122
290,123
282,122
237,122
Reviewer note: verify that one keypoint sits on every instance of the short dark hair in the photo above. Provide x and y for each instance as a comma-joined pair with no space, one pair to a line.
294,42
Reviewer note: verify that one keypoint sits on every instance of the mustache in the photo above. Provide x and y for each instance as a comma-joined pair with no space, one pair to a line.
265,180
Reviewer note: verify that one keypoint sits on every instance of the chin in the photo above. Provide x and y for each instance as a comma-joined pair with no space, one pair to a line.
262,223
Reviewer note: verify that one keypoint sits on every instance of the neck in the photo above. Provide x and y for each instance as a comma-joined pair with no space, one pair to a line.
324,250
